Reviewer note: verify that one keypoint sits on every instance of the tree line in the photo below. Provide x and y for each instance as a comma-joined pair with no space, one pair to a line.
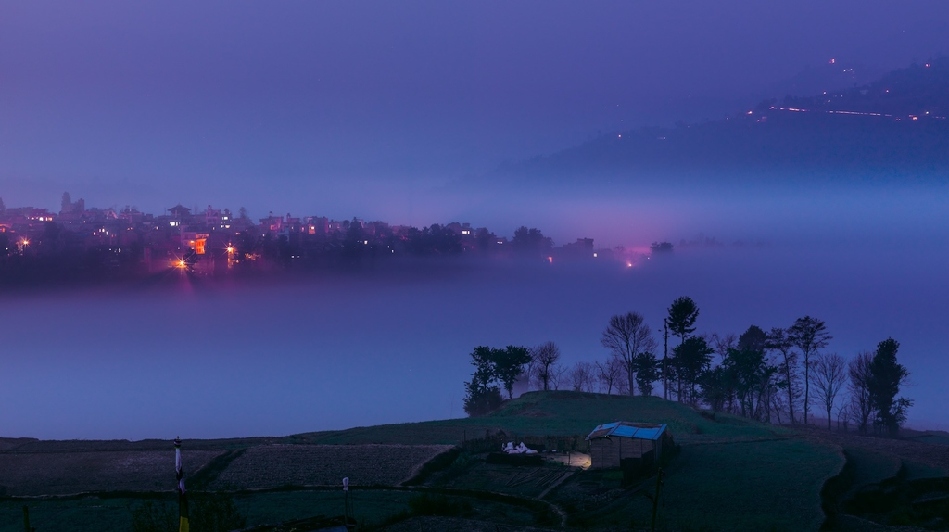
775,376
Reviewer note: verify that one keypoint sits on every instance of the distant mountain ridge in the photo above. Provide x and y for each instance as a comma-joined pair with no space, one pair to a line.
897,125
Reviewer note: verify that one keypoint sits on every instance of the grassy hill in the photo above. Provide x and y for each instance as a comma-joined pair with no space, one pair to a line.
554,414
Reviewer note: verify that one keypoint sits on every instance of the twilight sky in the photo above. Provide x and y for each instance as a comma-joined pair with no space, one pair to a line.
360,109
379,110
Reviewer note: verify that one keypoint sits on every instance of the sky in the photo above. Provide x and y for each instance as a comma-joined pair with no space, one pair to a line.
379,110
372,109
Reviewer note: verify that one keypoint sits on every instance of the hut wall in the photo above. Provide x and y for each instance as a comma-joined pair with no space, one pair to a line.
608,452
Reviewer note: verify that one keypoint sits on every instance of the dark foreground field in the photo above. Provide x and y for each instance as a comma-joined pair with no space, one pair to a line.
728,474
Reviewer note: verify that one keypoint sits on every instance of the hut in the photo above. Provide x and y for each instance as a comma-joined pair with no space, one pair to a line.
611,443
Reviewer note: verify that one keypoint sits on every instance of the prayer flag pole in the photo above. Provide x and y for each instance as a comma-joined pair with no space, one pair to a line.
182,498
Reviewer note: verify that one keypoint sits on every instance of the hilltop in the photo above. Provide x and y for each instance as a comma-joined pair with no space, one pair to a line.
729,474
896,126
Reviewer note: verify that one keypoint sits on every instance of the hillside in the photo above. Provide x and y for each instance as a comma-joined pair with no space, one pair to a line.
729,474
895,126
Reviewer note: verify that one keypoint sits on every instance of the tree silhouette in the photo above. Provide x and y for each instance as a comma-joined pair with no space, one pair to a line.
482,396
647,372
544,357
508,365
626,336
886,377
691,359
858,373
830,373
778,341
682,315
809,335
681,321
530,241
609,372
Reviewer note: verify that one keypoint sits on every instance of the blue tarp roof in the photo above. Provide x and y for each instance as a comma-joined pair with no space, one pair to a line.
623,429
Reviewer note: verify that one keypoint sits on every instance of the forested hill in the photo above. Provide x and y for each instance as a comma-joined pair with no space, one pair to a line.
895,126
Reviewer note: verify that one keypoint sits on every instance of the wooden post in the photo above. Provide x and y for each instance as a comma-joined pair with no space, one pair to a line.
655,500
26,519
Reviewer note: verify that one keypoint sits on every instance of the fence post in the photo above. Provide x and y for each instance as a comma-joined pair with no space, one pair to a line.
655,500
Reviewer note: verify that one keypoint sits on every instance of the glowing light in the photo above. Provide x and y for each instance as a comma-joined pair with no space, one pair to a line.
619,136
181,263
230,249
832,61
629,264
594,255
550,259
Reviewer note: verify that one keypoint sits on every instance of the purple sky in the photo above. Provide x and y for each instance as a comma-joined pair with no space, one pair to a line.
378,110
287,106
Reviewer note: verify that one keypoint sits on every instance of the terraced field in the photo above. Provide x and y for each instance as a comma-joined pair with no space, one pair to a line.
730,474
276,466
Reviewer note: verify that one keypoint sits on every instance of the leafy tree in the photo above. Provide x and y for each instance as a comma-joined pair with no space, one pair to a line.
830,373
647,372
682,315
779,341
508,364
716,388
485,241
886,377
626,336
720,394
861,405
530,241
482,396
808,335
691,359
681,321
544,357
750,375
753,339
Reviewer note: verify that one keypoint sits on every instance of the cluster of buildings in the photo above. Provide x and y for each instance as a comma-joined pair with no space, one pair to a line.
214,240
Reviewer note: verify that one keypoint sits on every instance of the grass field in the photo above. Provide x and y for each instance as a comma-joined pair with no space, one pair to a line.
555,413
746,485
729,474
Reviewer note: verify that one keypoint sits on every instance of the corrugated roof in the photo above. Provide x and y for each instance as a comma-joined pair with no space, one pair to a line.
624,429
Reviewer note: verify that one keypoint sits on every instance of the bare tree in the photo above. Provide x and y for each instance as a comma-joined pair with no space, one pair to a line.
626,336
861,406
582,377
608,373
721,344
558,376
809,335
830,374
543,357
